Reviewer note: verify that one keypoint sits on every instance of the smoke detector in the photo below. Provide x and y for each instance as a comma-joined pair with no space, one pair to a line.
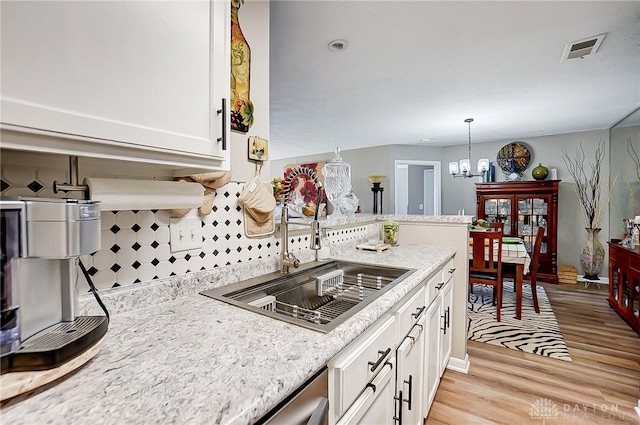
582,48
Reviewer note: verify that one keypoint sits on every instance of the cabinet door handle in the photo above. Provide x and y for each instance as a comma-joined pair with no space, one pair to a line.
398,418
439,286
223,111
444,323
410,383
418,312
452,270
448,315
383,354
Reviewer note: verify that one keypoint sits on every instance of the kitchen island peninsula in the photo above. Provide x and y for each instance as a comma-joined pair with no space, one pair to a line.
195,360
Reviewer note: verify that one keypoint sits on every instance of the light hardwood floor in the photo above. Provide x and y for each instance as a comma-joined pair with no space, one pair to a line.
600,386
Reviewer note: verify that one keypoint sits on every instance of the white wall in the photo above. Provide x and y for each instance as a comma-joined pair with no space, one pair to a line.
429,188
254,20
416,188
402,192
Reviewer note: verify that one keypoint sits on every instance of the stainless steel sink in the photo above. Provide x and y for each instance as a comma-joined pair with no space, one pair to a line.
318,295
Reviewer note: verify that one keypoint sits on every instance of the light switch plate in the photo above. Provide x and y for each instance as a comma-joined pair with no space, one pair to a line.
185,233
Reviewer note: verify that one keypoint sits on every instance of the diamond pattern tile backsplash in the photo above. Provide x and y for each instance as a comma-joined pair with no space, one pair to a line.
135,244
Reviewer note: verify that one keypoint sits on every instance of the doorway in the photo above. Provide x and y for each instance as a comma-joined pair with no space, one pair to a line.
417,187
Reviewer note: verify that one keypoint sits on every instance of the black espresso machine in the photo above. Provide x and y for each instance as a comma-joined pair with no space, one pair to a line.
41,242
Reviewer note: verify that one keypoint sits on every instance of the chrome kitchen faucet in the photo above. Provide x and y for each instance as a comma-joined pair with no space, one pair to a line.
288,259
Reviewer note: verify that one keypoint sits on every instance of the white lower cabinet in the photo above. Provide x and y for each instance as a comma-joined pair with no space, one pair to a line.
390,373
359,365
376,403
409,376
432,356
438,341
445,326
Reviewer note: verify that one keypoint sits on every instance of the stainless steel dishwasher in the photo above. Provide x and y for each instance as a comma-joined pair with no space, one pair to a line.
308,405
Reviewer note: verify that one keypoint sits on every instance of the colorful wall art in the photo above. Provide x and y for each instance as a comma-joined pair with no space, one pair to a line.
241,105
300,183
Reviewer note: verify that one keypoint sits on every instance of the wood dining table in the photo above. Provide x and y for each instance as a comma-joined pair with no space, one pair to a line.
516,254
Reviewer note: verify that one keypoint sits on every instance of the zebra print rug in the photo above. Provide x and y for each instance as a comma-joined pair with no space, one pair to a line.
535,333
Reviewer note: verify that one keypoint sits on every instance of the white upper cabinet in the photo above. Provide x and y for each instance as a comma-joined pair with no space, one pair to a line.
140,80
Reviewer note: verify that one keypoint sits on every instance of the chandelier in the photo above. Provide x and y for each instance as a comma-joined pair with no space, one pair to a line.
462,168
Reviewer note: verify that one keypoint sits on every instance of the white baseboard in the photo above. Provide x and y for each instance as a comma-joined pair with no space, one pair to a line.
459,365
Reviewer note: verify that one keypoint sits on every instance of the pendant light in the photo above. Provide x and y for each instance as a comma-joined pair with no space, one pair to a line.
462,168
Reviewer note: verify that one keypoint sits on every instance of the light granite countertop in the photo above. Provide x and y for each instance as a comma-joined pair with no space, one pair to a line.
330,222
195,360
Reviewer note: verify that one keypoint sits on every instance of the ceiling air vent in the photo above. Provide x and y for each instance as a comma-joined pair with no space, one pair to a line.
582,48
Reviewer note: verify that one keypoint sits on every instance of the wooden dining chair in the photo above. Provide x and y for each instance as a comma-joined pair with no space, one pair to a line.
501,227
509,270
485,266
492,225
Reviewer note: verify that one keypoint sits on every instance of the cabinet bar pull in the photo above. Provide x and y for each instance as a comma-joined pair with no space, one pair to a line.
410,383
452,270
223,111
448,317
444,323
418,312
399,400
372,386
383,354
439,286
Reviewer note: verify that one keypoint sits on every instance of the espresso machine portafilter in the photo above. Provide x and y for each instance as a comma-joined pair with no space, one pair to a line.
41,328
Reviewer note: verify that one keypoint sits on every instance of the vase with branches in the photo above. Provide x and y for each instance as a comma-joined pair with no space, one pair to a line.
635,157
588,188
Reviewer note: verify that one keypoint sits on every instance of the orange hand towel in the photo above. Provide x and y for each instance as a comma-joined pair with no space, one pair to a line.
258,203
210,182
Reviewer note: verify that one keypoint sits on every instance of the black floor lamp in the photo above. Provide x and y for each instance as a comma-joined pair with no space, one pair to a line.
377,192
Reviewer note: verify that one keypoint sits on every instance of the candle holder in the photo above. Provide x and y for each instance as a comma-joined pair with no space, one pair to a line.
377,192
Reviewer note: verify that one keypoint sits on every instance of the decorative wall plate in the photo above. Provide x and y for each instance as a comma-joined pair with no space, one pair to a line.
513,158
301,182
300,186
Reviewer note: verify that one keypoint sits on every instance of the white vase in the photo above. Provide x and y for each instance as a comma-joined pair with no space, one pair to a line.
592,255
